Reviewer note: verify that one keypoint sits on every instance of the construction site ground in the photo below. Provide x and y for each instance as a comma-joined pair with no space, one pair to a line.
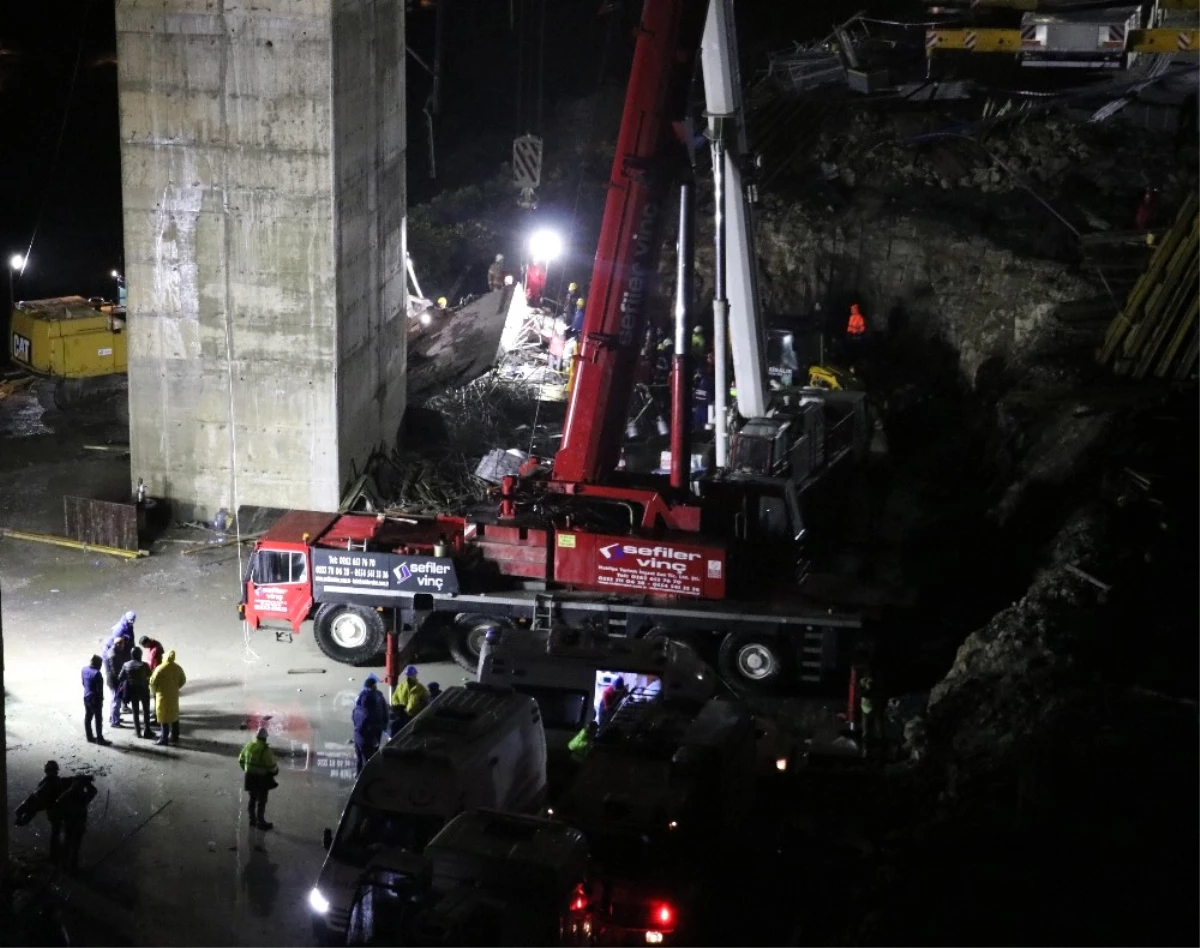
169,858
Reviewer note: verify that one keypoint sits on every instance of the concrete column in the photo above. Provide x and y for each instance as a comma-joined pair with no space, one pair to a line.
263,176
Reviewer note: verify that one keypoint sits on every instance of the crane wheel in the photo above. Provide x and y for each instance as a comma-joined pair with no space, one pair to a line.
465,637
352,635
753,663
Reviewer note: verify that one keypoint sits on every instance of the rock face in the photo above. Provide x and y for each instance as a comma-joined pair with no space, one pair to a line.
983,300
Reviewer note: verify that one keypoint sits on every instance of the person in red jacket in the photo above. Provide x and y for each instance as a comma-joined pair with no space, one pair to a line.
856,326
610,699
152,651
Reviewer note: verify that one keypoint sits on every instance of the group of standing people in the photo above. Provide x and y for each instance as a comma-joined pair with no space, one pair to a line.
372,716
131,681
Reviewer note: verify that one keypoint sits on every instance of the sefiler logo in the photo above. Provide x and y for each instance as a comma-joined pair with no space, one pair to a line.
651,557
428,574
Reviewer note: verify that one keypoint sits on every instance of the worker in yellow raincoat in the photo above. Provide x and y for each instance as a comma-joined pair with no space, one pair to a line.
166,682
408,699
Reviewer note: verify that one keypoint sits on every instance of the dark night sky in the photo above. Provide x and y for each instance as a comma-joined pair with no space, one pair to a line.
76,202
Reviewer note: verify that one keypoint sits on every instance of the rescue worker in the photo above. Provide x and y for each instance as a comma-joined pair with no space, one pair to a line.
44,796
610,699
152,649
699,343
568,358
370,720
443,307
134,681
408,698
856,325
581,743
558,343
72,806
577,318
115,654
569,302
535,283
93,701
434,690
496,273
257,760
166,683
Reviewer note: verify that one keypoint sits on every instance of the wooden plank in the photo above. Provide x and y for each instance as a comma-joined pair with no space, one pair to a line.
101,523
1186,325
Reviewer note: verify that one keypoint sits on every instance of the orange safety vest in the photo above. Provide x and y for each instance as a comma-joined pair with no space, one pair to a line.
857,326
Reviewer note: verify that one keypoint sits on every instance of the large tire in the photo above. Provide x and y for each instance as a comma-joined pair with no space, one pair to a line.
753,663
352,635
465,637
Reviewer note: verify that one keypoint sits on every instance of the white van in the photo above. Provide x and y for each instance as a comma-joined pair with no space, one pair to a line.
488,878
566,672
475,746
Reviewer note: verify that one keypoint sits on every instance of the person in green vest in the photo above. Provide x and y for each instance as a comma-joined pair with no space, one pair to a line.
581,743
258,762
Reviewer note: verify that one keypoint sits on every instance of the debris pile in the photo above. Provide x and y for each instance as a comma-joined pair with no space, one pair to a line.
433,469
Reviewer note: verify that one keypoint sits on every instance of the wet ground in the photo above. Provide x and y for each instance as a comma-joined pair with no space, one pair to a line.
169,858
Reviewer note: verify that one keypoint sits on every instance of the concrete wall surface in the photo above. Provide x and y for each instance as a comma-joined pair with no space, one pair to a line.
260,294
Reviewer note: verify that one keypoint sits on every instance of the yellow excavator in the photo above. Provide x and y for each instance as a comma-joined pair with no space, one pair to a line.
76,347
833,379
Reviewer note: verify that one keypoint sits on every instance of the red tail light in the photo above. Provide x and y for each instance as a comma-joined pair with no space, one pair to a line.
579,899
662,915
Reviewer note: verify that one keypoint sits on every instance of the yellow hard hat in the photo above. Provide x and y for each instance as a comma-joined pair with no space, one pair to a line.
442,302
580,303
572,287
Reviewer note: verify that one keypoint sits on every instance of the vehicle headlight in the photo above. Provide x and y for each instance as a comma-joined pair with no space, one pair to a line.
317,902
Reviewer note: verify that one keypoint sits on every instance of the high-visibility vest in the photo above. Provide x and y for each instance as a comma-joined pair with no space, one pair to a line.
857,326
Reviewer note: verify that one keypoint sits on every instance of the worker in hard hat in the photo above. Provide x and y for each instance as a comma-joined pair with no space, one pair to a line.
577,318
496,273
408,698
699,343
568,306
443,307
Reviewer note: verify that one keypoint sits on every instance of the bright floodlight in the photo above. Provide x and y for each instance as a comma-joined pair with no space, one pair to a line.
16,262
545,245
116,276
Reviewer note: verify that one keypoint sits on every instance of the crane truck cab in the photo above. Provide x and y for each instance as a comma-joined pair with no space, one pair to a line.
475,746
488,878
566,671
662,798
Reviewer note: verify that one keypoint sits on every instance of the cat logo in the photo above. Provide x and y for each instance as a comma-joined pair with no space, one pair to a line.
20,348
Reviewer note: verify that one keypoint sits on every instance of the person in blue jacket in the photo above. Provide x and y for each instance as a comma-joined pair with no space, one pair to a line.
370,718
93,701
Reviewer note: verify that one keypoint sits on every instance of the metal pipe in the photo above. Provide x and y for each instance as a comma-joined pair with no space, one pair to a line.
720,307
680,453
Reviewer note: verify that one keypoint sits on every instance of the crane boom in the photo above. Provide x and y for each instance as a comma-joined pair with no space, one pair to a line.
727,130
648,157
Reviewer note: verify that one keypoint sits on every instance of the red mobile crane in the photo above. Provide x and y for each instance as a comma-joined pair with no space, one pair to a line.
581,541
